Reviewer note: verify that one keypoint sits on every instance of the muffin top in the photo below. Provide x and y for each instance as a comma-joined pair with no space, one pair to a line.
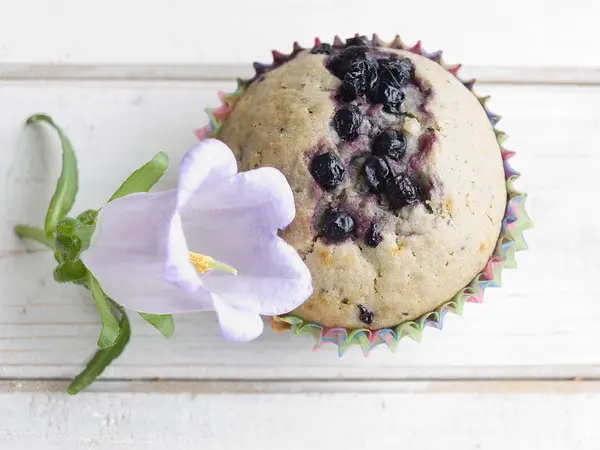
396,172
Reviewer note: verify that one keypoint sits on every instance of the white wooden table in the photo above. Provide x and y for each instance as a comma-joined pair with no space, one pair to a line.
127,79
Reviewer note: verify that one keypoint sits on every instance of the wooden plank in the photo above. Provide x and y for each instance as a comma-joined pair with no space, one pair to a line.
511,33
462,415
531,328
586,76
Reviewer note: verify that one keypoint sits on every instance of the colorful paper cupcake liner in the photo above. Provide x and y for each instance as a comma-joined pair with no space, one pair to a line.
509,242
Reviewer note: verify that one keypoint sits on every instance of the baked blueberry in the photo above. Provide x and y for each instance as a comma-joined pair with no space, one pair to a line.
341,63
337,225
390,143
373,236
391,97
346,122
376,172
322,49
360,79
327,170
396,71
401,191
365,314
359,41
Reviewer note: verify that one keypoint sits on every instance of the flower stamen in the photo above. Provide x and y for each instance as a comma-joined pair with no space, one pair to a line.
205,263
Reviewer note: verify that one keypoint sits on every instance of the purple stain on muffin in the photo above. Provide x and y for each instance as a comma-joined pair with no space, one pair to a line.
357,147
424,149
427,93
374,111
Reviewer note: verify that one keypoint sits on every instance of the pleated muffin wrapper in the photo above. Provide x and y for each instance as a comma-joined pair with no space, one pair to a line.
509,242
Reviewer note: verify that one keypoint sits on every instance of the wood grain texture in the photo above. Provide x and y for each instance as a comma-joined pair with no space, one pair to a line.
543,324
532,33
426,415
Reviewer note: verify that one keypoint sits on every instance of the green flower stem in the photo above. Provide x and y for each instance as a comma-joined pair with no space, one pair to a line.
102,359
67,185
110,326
35,234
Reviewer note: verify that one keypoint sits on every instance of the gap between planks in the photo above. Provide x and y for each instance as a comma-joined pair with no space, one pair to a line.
499,387
567,76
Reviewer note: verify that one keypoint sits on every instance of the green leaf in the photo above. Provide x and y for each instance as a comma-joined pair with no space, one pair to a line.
88,217
144,178
35,234
102,359
110,327
66,187
70,272
71,237
164,323
66,242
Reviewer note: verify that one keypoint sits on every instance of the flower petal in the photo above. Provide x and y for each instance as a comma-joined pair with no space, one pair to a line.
254,204
237,325
207,161
236,222
137,222
205,164
137,283
127,256
272,278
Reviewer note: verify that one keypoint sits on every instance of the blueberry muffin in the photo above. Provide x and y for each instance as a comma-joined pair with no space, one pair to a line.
397,175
